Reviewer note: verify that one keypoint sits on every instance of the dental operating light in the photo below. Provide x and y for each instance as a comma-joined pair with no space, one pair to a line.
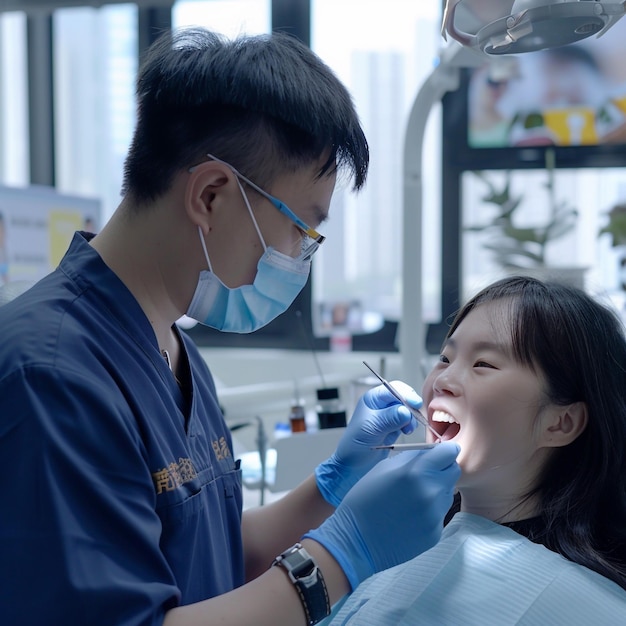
509,27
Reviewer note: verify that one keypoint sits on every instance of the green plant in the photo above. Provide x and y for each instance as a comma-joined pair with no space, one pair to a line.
616,226
517,247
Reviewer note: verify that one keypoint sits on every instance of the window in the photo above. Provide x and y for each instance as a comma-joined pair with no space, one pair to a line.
382,56
229,17
95,49
579,197
14,151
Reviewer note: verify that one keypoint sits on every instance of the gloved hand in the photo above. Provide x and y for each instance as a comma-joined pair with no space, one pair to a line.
377,420
394,513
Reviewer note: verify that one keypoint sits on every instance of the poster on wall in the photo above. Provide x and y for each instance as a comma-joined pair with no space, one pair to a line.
36,226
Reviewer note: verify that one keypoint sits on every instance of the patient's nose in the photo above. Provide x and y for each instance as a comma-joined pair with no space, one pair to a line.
447,382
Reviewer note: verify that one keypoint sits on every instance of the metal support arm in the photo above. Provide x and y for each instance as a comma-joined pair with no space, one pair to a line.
444,78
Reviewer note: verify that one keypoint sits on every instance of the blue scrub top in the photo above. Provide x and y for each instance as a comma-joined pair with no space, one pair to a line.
120,498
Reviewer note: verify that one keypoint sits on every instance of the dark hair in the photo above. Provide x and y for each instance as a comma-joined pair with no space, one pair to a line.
579,346
266,104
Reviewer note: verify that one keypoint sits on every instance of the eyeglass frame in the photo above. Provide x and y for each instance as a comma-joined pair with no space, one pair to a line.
317,238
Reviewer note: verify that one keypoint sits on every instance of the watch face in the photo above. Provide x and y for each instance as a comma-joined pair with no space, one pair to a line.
299,563
297,559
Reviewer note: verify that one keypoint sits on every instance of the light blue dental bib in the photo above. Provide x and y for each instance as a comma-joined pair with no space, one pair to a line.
484,574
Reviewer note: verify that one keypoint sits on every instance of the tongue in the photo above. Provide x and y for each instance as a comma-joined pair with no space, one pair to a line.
451,431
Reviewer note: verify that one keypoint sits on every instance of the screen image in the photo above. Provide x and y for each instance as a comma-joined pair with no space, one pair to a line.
574,95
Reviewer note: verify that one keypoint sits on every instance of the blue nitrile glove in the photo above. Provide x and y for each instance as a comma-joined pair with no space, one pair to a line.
377,420
394,513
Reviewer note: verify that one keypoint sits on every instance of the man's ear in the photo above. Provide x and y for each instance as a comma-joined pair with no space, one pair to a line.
564,424
206,183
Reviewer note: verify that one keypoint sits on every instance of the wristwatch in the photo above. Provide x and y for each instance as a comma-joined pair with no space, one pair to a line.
308,580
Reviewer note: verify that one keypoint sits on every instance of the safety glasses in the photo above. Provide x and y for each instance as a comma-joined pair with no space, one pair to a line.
311,240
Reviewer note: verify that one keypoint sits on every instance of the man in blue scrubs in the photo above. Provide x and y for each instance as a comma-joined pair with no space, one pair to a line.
122,500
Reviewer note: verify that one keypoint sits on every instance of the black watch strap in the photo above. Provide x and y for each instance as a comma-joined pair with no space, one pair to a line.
308,581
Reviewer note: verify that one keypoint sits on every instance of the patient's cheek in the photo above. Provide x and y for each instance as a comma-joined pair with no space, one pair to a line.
463,462
474,466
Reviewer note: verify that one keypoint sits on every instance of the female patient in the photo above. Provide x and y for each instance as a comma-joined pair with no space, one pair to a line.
531,382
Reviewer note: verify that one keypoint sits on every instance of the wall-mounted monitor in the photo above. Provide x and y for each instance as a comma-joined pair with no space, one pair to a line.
573,98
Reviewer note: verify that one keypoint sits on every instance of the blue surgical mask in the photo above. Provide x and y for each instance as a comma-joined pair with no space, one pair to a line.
279,279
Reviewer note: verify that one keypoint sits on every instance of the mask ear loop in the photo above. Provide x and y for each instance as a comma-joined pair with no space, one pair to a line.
256,226
206,254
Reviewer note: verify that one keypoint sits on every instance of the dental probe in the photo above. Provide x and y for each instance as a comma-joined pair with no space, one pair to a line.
415,412
406,446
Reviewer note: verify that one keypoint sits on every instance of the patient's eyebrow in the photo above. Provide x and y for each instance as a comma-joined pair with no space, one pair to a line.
477,346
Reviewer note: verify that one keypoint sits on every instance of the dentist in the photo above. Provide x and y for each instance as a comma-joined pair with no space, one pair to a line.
123,501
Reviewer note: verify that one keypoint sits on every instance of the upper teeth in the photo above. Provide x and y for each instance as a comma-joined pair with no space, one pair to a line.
441,416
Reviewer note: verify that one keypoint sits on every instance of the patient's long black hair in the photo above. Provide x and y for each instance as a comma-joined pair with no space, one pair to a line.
578,344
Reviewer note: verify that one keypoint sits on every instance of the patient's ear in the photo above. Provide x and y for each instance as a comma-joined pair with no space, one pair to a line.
564,424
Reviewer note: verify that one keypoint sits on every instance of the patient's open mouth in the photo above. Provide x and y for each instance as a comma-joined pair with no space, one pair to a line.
445,425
